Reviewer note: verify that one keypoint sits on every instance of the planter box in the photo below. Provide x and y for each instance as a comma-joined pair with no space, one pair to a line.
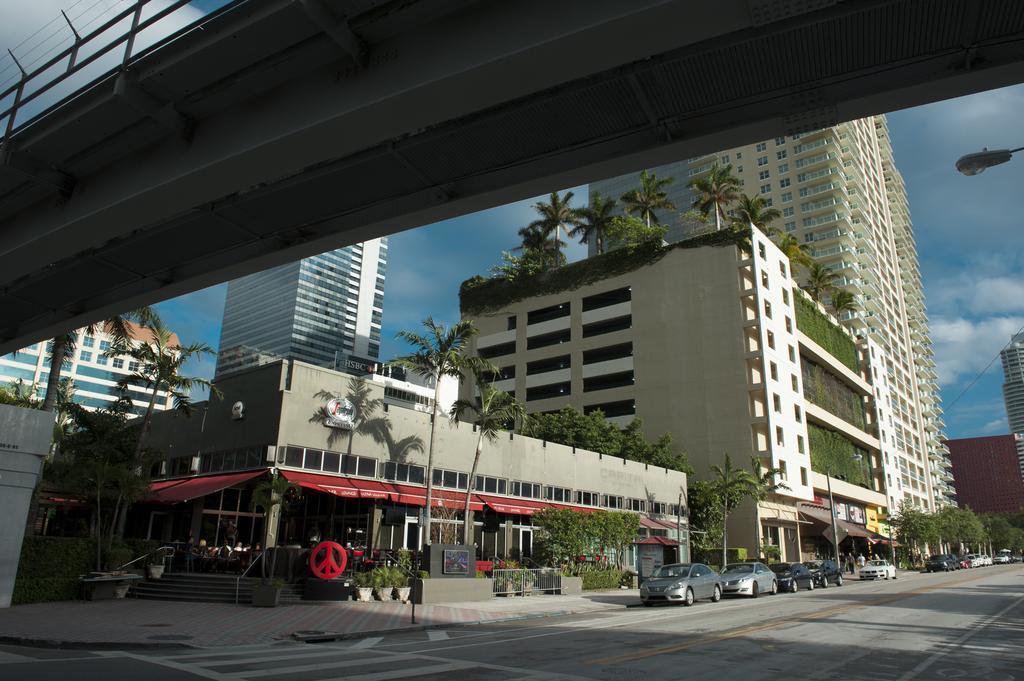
572,586
452,590
265,596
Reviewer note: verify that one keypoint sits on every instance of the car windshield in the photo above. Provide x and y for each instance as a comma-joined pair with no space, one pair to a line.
877,563
813,564
679,570
781,567
741,568
937,558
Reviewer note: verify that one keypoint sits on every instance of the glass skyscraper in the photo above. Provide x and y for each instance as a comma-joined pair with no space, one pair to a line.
325,310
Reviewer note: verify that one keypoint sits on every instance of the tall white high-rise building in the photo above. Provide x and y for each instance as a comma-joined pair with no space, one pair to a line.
1013,389
94,374
324,310
841,195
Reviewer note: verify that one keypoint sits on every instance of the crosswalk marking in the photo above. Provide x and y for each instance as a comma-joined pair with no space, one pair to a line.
406,673
300,653
437,635
303,668
366,643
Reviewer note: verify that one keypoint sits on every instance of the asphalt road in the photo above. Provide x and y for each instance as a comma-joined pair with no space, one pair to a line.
963,625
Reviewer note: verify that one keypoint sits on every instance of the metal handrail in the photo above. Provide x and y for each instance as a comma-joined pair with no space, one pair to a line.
74,66
246,571
147,555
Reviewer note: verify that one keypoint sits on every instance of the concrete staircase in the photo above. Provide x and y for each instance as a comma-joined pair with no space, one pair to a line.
206,588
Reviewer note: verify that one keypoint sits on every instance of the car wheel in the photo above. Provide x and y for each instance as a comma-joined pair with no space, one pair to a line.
824,582
688,600
810,584
754,591
717,595
839,580
792,587
775,587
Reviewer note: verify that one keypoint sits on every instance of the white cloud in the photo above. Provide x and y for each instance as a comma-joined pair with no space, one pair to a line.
978,292
963,347
995,426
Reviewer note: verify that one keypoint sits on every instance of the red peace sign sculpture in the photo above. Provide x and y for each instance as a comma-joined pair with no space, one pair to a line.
328,560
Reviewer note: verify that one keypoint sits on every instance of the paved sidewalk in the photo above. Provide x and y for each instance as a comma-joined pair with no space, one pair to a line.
134,622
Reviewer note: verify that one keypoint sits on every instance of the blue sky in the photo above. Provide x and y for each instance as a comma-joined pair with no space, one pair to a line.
968,230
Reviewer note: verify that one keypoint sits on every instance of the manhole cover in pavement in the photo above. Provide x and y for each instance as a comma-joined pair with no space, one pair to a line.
169,637
156,624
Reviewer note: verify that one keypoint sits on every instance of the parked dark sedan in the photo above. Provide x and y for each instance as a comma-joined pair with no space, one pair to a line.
792,576
825,572
942,562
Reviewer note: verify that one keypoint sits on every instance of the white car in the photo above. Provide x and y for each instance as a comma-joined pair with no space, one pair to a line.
878,569
975,559
985,559
1002,559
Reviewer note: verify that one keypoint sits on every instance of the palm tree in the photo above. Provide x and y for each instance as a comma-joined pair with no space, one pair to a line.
554,215
536,241
731,485
715,191
597,218
794,250
820,280
493,411
843,301
268,495
63,346
648,197
160,360
754,211
440,352
766,483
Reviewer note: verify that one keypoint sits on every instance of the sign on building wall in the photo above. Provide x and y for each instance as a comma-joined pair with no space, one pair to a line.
339,413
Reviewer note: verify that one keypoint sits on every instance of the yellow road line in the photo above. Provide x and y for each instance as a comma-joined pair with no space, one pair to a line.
772,624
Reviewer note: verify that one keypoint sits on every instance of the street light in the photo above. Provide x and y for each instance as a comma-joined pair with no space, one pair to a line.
975,164
832,510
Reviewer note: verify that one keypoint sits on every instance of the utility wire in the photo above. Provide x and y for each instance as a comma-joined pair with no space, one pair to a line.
983,371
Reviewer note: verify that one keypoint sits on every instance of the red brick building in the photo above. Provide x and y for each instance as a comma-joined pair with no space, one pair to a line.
986,473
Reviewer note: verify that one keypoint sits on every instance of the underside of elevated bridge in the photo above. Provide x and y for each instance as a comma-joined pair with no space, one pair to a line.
276,129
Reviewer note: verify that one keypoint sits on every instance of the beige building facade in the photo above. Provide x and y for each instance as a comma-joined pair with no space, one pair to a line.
704,343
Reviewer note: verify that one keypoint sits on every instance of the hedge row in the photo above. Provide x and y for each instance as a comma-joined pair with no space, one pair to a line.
833,454
601,579
480,295
820,329
832,395
49,567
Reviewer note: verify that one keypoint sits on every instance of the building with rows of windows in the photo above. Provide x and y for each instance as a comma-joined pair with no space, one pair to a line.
840,194
363,480
717,346
325,310
93,372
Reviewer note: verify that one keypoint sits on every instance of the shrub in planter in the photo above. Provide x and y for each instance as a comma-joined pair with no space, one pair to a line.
267,594
364,586
601,579
49,568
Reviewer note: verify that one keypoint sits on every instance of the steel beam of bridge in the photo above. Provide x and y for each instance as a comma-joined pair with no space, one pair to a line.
275,129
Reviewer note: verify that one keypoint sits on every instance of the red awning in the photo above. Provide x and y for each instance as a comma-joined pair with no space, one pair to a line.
193,488
326,484
371,489
664,541
415,495
513,506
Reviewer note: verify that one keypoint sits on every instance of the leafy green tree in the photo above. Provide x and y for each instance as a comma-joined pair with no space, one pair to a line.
795,251
513,268
555,215
843,301
998,529
597,220
705,506
626,231
715,191
960,526
540,249
649,197
755,211
495,410
733,485
820,281
612,530
766,482
634,446
913,528
440,351
20,394
562,537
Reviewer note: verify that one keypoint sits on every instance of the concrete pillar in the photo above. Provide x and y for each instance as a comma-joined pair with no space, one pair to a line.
24,441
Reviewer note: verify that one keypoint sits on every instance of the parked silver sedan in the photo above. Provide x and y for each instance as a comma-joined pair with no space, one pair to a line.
681,583
748,579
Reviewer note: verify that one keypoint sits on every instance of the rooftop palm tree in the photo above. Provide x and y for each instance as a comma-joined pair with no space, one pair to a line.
555,215
648,197
843,301
755,211
597,218
820,280
794,250
715,191
732,485
439,352
766,482
493,411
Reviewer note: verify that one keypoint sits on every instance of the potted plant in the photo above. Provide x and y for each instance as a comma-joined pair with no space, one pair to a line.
364,586
155,567
379,580
400,582
267,594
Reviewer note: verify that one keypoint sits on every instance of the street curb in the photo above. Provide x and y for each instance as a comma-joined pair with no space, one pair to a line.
94,645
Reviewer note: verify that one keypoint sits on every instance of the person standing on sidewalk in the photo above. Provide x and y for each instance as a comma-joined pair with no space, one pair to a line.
861,561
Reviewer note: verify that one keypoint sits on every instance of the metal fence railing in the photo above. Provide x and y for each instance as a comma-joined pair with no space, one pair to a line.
520,582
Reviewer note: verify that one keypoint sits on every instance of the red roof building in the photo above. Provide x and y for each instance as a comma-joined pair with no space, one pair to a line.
986,473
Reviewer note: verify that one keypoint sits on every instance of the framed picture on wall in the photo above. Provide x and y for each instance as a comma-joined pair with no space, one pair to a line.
456,562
